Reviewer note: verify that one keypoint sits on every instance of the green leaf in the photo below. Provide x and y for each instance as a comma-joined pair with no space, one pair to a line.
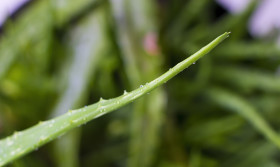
238,77
21,143
239,105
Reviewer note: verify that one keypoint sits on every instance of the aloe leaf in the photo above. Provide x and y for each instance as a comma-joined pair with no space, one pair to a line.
21,143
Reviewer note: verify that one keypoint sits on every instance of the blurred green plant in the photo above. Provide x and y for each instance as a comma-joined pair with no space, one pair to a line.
58,55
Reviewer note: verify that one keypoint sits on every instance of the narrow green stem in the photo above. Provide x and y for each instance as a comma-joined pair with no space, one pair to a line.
237,104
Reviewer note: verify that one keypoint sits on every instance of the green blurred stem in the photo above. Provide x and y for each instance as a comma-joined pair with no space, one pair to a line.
134,20
190,12
20,33
242,50
126,42
238,104
238,76
236,24
81,71
147,117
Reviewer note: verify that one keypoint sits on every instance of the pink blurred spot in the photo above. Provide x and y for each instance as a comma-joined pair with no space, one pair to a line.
150,43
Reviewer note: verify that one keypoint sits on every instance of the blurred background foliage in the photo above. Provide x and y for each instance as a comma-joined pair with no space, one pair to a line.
65,54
